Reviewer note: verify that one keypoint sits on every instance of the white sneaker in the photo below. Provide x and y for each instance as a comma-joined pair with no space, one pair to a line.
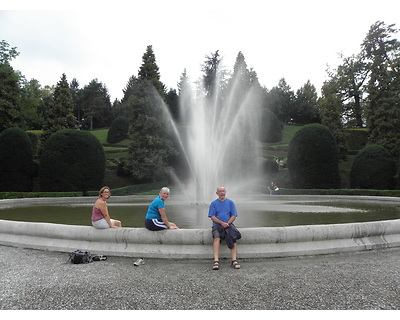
138,262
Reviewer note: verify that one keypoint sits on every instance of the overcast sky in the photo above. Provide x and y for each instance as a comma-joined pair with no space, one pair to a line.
88,40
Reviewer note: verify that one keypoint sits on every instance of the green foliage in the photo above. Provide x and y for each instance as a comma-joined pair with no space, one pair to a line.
7,53
100,134
356,139
373,168
271,127
306,104
60,113
331,106
342,192
213,74
72,160
313,158
16,161
149,71
271,168
118,130
36,140
95,105
280,100
367,86
151,147
148,188
342,95
9,97
32,105
383,55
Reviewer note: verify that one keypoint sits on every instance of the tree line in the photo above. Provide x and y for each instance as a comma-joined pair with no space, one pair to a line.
362,92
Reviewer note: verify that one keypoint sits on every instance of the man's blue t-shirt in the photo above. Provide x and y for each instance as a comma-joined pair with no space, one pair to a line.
223,210
152,212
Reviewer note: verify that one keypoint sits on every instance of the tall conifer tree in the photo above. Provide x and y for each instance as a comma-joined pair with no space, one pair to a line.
60,114
144,104
149,71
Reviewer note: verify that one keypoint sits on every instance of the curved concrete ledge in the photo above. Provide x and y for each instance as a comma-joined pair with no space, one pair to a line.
197,243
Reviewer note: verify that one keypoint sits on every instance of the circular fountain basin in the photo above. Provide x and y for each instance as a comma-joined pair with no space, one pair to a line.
270,226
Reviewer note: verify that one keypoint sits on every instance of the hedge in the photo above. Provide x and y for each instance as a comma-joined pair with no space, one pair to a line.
128,190
16,161
72,160
313,158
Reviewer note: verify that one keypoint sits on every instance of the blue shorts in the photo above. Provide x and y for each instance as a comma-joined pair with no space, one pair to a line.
155,224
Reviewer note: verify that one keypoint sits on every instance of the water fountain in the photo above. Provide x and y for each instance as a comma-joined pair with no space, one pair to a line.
218,136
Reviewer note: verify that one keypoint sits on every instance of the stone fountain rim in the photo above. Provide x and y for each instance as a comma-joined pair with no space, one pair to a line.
265,242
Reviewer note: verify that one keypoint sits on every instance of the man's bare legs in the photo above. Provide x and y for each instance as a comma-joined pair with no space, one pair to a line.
216,247
235,264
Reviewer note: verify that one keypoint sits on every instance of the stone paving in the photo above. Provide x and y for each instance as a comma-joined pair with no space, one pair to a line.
42,280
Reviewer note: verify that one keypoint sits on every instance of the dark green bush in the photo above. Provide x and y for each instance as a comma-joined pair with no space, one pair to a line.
271,168
16,161
271,127
118,130
356,138
72,160
36,140
373,168
313,158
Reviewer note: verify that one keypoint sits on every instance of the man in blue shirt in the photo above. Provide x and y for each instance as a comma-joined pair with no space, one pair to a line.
222,213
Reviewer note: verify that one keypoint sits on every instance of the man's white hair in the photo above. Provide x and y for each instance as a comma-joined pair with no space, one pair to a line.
164,189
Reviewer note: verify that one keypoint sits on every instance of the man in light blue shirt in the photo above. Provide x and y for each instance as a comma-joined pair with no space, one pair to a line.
222,213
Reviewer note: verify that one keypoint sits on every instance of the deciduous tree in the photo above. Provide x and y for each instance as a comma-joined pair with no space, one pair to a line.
382,54
95,103
307,108
280,100
9,97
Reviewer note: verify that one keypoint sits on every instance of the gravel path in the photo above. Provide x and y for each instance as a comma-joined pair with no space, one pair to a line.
33,279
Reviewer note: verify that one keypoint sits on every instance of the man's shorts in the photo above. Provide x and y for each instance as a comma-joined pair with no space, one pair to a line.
215,232
155,224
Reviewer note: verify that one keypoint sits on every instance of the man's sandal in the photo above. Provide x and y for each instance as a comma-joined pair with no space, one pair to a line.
216,265
235,264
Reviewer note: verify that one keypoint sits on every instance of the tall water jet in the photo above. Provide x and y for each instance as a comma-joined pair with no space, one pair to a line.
218,135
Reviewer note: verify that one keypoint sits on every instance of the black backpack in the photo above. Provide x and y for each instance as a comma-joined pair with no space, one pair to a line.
78,256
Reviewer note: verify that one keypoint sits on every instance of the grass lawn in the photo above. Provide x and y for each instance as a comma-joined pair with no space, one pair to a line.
101,134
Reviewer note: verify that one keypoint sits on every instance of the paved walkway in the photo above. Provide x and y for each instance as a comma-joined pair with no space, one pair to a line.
33,279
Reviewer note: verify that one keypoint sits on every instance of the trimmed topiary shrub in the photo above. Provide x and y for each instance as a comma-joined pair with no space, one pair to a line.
313,159
118,130
72,160
373,168
16,161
